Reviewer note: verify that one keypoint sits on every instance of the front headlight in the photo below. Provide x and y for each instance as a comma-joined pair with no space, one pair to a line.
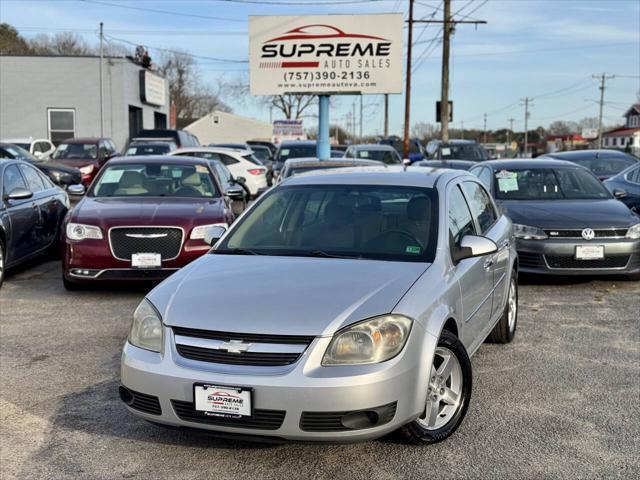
87,169
146,328
199,232
526,232
634,232
371,341
79,231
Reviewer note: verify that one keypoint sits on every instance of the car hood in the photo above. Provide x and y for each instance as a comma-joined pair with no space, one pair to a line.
281,295
569,214
75,162
182,212
57,166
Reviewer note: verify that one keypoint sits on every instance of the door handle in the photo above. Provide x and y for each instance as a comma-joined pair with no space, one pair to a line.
505,244
488,263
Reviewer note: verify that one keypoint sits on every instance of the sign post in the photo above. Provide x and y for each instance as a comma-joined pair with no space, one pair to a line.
325,55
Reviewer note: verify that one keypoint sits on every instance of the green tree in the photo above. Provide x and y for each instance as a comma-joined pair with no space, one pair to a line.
11,42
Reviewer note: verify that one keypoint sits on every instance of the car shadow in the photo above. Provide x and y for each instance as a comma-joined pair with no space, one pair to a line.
536,279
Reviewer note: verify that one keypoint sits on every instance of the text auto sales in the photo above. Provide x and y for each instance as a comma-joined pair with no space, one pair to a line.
338,55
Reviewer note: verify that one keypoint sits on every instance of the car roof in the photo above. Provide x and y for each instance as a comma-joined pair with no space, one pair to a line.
85,140
293,143
584,154
158,159
212,150
301,162
443,163
18,139
379,175
155,142
539,162
374,146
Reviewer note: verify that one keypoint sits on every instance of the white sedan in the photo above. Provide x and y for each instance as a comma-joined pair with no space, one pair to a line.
241,163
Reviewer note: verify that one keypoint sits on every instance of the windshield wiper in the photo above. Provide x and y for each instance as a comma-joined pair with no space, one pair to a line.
322,253
237,251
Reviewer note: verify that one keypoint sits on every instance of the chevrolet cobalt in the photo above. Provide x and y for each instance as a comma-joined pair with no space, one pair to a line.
340,307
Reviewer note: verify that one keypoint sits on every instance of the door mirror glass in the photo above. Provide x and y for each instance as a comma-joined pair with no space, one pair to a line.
214,234
473,246
76,190
19,194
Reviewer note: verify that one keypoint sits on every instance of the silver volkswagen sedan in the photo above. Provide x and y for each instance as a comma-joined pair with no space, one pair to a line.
339,307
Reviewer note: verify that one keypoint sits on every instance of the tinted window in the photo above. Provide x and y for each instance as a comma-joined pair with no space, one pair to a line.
361,221
223,174
296,151
461,152
34,182
79,151
227,160
13,179
480,205
460,221
548,184
634,175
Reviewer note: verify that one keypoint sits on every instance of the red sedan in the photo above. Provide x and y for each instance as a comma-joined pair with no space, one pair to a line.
142,219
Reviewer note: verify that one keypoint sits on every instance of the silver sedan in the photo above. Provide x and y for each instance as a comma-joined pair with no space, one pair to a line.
339,307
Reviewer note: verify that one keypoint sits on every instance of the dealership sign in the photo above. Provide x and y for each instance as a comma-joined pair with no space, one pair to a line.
324,54
152,88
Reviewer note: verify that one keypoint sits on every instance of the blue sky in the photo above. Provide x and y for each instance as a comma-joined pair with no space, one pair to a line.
528,48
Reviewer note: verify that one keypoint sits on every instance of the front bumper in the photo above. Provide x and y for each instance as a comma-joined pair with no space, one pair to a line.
283,399
556,256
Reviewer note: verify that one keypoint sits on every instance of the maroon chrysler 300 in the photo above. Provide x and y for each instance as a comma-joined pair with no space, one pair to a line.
142,219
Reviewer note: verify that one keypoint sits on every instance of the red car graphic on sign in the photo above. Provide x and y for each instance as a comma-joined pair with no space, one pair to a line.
301,33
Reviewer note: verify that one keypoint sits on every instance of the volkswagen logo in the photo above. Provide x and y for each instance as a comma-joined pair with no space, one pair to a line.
588,234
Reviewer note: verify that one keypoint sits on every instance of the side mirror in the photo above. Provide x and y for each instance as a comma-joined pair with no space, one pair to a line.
76,190
619,193
38,155
19,194
240,180
235,193
214,234
473,246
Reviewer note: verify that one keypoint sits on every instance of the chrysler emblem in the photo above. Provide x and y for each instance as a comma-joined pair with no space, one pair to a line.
588,234
235,346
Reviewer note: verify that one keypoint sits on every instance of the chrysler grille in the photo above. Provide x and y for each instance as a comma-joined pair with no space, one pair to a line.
125,241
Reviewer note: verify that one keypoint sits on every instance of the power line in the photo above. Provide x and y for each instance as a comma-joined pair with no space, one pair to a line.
164,12
135,32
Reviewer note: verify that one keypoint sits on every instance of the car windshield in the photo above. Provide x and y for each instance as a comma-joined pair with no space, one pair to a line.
290,172
261,154
79,151
19,152
385,156
296,151
460,152
148,149
154,180
381,222
548,184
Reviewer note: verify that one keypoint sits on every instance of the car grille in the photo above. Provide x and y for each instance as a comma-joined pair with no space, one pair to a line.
261,419
261,350
530,260
145,403
569,262
126,241
577,233
332,421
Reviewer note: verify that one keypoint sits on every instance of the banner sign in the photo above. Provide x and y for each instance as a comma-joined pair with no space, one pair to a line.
325,54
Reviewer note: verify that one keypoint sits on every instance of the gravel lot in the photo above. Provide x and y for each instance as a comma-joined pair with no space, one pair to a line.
562,401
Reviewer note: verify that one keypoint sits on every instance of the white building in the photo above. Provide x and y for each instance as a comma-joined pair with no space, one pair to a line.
58,97
224,127
626,137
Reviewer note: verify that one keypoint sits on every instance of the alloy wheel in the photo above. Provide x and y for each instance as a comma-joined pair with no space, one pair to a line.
444,393
513,305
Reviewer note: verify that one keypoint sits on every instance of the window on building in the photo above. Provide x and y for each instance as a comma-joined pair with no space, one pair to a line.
159,120
62,124
614,141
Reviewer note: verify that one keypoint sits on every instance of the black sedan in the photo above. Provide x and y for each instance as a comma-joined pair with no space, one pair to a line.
59,174
602,163
31,211
565,221
625,186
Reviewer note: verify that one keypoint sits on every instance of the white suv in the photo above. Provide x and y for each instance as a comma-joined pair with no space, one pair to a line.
40,148
241,163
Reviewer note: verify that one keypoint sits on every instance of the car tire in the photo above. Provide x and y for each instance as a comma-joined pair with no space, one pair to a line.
448,394
505,329
2,261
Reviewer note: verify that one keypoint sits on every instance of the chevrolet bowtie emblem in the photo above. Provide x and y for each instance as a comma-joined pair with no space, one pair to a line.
235,346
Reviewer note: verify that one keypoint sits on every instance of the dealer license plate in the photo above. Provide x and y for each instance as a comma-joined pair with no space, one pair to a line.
146,260
589,252
222,401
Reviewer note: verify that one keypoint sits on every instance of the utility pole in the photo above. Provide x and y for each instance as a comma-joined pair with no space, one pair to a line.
527,104
101,81
407,89
484,137
511,120
462,129
448,25
603,78
386,115
360,141
354,122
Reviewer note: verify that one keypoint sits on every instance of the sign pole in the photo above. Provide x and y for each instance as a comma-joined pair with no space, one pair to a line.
323,148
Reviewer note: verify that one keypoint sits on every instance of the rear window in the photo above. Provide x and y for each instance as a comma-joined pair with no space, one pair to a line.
76,151
296,151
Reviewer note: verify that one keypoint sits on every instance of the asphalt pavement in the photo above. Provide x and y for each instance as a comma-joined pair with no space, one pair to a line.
561,401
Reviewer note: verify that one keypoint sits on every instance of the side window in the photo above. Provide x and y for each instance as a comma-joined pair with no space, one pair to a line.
34,181
485,177
227,160
222,175
481,206
12,179
634,175
37,147
460,221
46,181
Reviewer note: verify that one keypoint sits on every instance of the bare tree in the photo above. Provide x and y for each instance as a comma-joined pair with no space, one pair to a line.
560,127
63,43
291,105
424,131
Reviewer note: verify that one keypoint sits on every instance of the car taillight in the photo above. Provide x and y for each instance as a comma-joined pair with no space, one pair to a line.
256,171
